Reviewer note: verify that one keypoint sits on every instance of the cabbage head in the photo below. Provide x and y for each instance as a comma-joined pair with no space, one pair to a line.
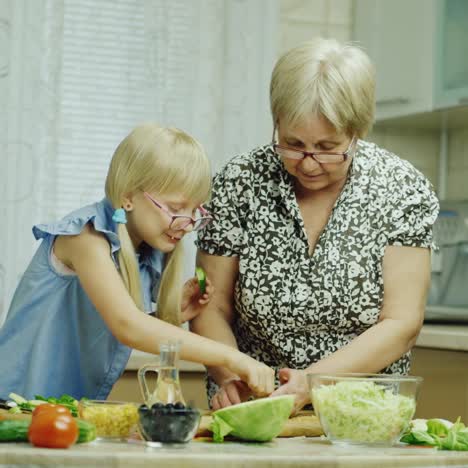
258,420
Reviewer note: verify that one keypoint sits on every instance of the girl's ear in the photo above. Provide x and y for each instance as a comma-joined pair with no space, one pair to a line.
127,203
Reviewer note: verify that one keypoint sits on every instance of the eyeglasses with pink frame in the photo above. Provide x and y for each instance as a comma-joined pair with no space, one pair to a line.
180,222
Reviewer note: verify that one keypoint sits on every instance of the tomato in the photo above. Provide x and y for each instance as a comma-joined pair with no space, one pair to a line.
46,407
52,426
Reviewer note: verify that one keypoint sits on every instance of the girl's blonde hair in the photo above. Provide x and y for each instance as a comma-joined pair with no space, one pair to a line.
157,160
324,77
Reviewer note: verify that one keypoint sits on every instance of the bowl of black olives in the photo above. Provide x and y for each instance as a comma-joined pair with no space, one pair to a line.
171,423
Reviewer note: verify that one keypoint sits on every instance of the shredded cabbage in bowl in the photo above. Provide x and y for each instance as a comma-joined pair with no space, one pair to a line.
362,412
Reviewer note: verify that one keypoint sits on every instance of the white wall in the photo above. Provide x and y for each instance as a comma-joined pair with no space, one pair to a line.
302,20
420,147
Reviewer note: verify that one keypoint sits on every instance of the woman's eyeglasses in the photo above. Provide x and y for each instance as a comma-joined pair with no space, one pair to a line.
179,222
322,157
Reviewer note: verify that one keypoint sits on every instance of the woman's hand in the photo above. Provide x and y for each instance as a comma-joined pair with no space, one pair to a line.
230,393
192,301
293,382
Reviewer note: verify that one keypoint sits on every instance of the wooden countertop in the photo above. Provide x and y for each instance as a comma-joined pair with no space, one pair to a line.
297,452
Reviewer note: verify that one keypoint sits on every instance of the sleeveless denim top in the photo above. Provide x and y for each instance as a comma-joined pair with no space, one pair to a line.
54,341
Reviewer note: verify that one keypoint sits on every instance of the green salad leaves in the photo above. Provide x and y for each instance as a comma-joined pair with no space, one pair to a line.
29,405
437,433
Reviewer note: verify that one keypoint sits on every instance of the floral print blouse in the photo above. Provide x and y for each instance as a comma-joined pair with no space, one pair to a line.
292,308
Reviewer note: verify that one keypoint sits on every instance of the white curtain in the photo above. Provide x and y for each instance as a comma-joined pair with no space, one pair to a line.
30,64
201,65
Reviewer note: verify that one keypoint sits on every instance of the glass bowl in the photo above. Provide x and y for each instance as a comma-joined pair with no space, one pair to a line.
168,424
364,409
113,419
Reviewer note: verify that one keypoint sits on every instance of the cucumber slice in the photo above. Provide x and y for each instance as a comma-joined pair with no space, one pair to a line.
201,277
18,399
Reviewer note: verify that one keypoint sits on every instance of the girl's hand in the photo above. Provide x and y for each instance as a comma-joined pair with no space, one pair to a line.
259,377
230,393
192,301
293,382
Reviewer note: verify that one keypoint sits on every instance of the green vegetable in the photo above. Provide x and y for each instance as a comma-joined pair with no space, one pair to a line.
65,400
29,405
87,431
17,431
260,420
362,411
14,431
201,277
437,433
18,399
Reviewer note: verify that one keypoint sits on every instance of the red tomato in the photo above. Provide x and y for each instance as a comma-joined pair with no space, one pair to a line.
47,407
52,427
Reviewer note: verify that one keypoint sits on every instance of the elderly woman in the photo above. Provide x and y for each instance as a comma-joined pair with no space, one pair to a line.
320,246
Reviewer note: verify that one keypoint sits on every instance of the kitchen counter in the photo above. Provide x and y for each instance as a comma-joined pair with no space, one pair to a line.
448,337
451,337
192,376
440,357
139,358
297,452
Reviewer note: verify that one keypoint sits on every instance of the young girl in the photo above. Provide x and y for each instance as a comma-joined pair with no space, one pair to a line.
78,310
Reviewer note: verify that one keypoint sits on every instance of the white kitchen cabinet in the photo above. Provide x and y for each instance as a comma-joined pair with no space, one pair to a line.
418,48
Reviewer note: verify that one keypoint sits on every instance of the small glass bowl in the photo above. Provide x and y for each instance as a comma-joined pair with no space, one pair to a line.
364,409
168,425
113,419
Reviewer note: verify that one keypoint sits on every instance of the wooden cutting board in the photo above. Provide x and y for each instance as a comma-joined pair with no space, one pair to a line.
304,424
6,416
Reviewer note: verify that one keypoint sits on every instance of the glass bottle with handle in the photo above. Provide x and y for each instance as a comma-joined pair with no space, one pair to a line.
168,389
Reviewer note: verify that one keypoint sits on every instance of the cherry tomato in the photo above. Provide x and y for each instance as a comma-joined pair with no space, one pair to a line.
52,427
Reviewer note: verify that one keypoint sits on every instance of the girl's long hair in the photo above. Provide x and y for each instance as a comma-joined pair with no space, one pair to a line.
157,160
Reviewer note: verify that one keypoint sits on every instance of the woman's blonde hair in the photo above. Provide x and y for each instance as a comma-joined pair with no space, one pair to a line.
157,160
324,77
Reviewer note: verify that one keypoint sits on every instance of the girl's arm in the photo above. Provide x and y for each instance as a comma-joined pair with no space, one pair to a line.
215,323
88,254
406,275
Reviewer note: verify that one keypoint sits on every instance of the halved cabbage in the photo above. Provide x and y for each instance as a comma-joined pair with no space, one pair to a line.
258,420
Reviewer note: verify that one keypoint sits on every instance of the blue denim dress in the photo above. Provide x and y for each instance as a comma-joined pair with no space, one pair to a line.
54,341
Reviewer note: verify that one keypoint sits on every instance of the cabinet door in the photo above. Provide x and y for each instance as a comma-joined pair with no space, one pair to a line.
451,69
398,36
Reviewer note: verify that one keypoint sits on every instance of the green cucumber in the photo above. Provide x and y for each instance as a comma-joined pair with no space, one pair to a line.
87,431
14,430
201,278
17,431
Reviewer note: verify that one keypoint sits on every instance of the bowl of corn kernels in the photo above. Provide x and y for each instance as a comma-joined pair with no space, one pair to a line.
113,419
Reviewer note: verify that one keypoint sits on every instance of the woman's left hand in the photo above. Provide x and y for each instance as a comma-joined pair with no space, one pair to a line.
192,301
293,382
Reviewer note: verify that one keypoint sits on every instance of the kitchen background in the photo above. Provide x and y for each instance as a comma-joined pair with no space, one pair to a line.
77,75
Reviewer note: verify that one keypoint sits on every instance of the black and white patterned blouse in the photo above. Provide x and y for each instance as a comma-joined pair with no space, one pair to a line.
293,309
